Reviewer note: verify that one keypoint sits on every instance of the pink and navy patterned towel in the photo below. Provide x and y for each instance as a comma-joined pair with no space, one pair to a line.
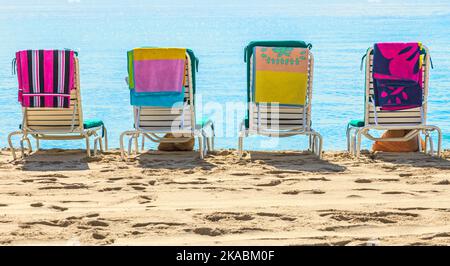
397,75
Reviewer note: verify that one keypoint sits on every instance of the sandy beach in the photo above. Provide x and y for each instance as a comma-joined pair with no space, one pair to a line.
268,198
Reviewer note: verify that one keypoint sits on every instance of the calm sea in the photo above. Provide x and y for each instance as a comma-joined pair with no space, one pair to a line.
340,31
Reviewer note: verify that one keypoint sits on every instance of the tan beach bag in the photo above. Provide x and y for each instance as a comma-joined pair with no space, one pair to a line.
170,146
397,146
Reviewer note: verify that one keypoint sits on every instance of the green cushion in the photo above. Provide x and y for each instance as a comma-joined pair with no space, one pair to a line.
91,123
203,121
357,123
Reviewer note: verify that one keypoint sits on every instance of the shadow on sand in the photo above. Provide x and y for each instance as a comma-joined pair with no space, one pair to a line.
296,161
55,160
178,160
414,159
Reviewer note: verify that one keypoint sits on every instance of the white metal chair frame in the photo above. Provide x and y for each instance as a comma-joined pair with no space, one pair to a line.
354,134
182,135
74,133
315,139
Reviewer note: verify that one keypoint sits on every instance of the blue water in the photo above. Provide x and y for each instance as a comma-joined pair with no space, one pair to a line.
340,31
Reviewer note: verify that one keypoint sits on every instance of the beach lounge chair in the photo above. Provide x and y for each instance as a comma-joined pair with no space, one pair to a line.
278,116
58,123
154,117
411,117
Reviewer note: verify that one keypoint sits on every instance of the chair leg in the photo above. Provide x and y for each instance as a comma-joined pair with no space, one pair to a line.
348,137
122,148
97,141
354,142
200,146
431,146
425,150
136,145
38,146
310,142
358,143
106,138
439,144
320,145
101,143
10,143
206,146
143,143
241,145
22,148
208,143
88,146
212,137
130,143
419,145
317,143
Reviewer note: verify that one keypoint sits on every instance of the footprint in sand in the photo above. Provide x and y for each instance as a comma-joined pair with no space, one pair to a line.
55,223
46,180
115,178
291,192
106,170
363,181
189,172
215,217
365,189
91,215
53,175
442,182
145,199
318,179
314,191
310,191
413,209
97,223
270,184
156,224
66,186
353,196
58,208
268,214
397,193
240,174
355,216
110,189
206,231
438,235
276,215
136,184
389,179
98,236
289,219
405,175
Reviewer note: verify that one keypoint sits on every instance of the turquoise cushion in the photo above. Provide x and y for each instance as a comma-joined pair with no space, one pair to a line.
91,123
357,123
203,121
